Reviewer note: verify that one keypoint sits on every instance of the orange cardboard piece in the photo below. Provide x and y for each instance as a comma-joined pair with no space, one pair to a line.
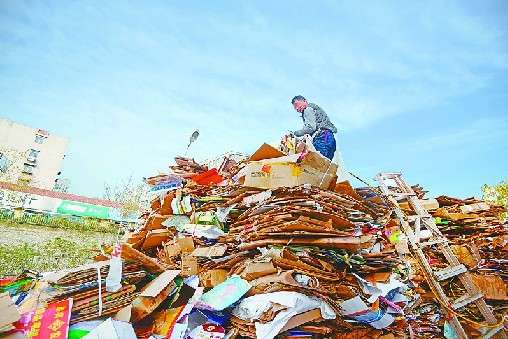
211,251
155,221
189,265
428,204
443,213
134,238
186,244
143,306
166,204
332,184
155,204
255,270
464,255
378,277
172,250
165,320
156,238
301,319
492,287
345,187
212,278
151,264
153,295
266,152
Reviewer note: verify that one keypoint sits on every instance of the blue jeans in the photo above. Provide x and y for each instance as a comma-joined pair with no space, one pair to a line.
324,142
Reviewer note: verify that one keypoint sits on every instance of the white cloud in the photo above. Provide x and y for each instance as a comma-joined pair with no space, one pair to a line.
480,132
114,69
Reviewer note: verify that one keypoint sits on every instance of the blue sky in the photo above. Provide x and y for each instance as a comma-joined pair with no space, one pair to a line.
419,87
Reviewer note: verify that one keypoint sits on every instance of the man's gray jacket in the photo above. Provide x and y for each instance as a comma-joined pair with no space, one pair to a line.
314,119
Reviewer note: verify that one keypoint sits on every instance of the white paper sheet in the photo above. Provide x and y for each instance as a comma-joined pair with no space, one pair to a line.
252,308
112,329
353,305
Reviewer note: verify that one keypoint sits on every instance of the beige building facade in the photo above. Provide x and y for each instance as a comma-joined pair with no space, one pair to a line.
30,155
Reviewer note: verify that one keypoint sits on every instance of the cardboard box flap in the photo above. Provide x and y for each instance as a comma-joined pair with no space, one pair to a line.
158,284
9,312
265,152
186,244
284,159
212,251
319,162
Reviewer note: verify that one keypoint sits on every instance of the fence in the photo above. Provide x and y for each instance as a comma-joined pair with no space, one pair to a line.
59,221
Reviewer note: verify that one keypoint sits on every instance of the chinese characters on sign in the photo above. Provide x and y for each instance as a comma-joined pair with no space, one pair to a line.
51,321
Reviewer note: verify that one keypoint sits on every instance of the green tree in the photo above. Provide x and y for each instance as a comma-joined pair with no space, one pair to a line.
497,194
132,195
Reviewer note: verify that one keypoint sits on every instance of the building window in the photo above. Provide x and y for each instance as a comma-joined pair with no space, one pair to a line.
61,185
3,162
28,169
33,154
39,139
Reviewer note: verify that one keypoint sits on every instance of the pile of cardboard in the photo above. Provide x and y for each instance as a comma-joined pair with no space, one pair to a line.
316,260
479,239
267,247
84,284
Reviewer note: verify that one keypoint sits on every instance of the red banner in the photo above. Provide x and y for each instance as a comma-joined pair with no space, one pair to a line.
49,322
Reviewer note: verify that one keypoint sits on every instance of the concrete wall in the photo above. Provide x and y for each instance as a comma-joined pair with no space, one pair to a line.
51,151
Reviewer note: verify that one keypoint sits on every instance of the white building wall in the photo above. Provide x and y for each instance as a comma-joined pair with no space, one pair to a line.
51,152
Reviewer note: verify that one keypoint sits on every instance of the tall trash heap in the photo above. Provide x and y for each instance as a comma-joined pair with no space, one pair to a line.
263,247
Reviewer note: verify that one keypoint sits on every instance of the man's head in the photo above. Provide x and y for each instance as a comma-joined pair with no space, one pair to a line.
299,103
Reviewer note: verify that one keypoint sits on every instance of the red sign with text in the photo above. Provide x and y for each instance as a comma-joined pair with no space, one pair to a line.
49,322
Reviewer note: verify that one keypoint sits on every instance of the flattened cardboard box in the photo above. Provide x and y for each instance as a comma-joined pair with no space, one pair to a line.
153,294
212,278
186,244
209,252
189,265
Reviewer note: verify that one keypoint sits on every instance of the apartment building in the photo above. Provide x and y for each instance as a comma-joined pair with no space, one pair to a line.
30,155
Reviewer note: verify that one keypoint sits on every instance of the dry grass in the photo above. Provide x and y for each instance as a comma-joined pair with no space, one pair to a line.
45,249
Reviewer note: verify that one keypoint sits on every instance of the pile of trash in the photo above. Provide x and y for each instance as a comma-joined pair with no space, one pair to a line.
271,246
479,239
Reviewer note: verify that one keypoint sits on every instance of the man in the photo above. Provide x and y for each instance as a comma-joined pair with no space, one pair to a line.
317,124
